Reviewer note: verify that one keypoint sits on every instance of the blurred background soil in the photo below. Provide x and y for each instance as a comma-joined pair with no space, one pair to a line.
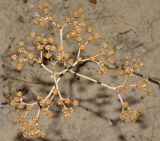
133,25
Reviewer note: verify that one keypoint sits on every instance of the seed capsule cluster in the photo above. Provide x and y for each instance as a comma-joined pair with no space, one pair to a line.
54,50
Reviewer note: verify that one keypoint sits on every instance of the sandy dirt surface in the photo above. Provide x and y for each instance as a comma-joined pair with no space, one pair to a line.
132,24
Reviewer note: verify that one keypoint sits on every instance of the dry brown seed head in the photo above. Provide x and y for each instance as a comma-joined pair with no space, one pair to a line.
53,48
117,90
78,38
60,48
29,107
32,34
110,60
68,36
80,10
105,44
48,47
74,22
20,50
44,5
66,56
60,101
14,57
90,30
101,70
38,38
125,105
58,25
51,40
82,46
15,120
82,24
21,60
71,109
35,119
67,20
70,61
49,114
39,60
75,14
90,38
75,103
55,91
72,33
67,100
45,10
30,56
40,47
96,36
35,21
110,52
50,18
102,52
19,66
21,43
78,29
130,115
92,58
19,94
48,55
59,57
44,41
65,110
39,98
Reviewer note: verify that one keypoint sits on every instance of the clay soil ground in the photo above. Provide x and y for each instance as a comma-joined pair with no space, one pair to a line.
133,25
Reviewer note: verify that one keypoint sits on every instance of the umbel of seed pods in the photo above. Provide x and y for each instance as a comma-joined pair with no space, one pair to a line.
53,49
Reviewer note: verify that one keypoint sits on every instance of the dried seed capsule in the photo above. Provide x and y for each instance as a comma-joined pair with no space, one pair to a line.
14,57
67,20
75,103
82,46
60,48
29,107
48,55
90,30
40,47
20,50
39,61
96,36
59,57
47,47
68,36
21,43
50,18
67,100
60,101
30,56
19,66
58,25
70,61
19,94
32,34
51,40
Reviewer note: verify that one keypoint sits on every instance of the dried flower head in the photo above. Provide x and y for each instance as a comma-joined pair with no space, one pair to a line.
61,59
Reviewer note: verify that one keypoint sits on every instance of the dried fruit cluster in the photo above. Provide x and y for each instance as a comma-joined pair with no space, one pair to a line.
53,49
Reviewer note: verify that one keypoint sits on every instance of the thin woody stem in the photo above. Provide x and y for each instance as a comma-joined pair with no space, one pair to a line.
50,71
96,81
61,40
120,98
93,80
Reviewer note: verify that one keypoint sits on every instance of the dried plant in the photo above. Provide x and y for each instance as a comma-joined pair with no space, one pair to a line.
54,50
